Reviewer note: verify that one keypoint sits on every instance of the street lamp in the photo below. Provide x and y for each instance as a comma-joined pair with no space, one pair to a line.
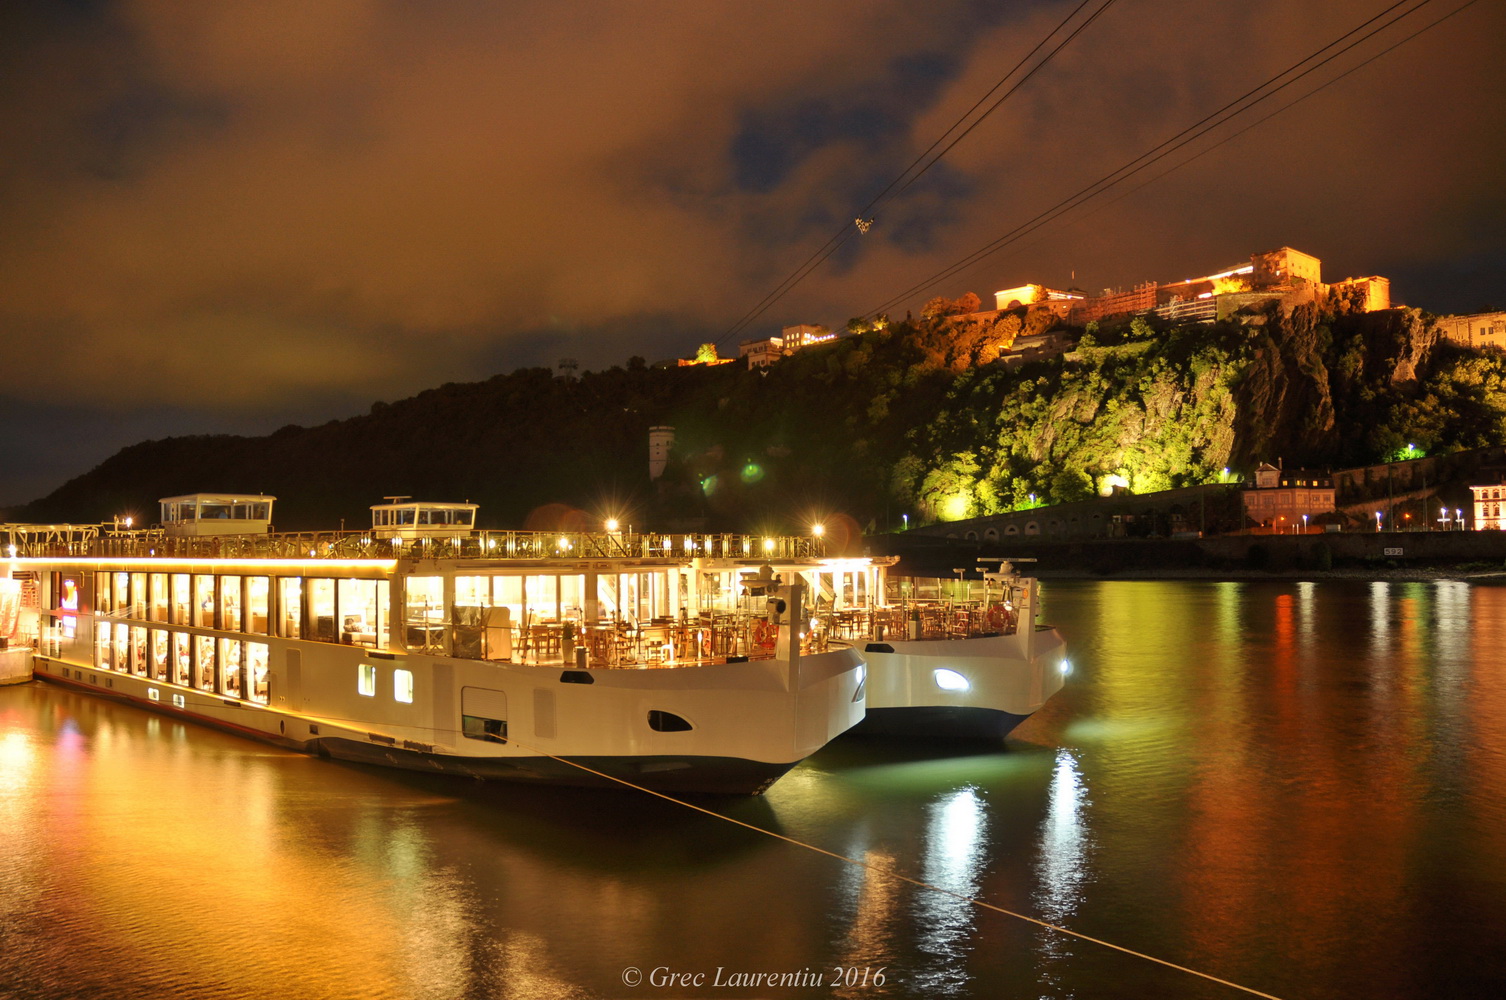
1304,524
906,518
1460,514
1377,520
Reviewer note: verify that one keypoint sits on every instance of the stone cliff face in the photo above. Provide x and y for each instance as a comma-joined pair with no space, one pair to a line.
1314,375
1285,402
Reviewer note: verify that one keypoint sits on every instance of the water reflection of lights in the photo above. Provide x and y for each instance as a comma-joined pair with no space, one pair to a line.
1380,619
954,859
1062,866
1305,604
1064,841
17,761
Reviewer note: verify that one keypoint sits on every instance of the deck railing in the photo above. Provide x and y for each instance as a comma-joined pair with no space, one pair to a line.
496,545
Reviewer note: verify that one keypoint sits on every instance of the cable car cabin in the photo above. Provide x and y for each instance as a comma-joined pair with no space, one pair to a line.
422,519
199,514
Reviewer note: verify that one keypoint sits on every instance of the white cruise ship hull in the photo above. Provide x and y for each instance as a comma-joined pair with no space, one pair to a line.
975,688
750,722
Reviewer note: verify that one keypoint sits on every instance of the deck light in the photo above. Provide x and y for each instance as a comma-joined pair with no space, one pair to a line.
950,680
611,524
818,529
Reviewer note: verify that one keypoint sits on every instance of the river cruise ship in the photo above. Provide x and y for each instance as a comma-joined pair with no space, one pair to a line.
683,662
665,660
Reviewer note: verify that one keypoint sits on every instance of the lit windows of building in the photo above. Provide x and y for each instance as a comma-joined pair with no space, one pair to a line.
1490,507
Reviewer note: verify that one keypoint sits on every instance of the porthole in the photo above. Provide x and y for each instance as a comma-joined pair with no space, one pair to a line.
667,722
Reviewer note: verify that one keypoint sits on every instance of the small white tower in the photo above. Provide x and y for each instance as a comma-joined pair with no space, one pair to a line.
660,441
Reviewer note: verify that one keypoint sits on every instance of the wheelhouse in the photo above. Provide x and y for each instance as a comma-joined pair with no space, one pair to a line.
405,518
199,514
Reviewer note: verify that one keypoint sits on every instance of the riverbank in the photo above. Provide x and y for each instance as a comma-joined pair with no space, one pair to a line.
1473,555
1398,573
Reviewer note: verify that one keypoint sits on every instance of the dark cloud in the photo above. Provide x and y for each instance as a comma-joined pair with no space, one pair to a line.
236,214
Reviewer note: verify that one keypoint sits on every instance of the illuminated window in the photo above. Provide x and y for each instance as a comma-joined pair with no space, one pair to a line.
203,599
103,649
402,685
181,601
256,668
159,655
257,603
158,585
366,684
290,599
321,598
204,664
231,675
182,661
230,603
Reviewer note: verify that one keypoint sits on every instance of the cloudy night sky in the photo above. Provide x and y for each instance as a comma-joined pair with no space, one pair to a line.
231,216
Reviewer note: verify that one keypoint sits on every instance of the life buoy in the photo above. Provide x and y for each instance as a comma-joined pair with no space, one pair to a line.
765,633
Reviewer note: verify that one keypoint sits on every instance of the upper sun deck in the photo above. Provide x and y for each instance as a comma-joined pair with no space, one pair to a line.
565,548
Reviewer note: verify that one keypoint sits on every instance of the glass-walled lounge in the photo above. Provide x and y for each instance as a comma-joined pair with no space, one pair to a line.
326,608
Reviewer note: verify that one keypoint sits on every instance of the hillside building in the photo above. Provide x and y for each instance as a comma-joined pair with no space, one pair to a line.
764,352
1476,330
1283,274
1054,299
1288,500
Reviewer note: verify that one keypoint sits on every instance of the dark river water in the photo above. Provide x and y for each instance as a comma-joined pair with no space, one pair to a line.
1297,788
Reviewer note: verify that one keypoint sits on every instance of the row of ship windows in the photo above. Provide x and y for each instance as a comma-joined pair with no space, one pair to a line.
233,668
230,667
